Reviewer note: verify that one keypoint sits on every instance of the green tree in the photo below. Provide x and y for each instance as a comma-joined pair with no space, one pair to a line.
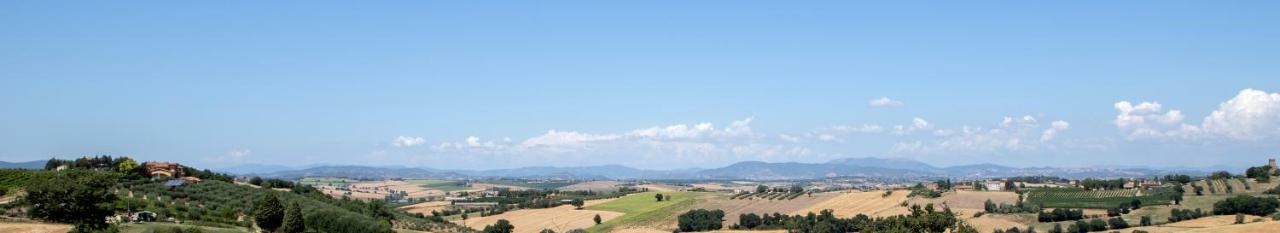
1145,221
577,203
268,213
78,197
502,226
700,220
749,221
658,196
1117,223
293,221
126,165
597,219
1239,218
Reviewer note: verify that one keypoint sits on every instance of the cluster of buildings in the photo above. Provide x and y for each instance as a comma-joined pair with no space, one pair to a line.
172,171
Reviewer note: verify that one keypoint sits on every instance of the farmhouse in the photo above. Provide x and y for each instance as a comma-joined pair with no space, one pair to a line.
994,185
164,168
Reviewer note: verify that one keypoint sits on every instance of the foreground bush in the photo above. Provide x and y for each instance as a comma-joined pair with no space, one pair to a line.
1245,204
701,220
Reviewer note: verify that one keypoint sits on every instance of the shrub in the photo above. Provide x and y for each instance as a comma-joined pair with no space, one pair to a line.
502,226
1260,206
1117,223
701,220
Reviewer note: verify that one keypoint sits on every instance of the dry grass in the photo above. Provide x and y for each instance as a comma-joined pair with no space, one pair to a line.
1221,223
33,227
991,222
426,207
968,199
733,208
560,219
377,190
872,203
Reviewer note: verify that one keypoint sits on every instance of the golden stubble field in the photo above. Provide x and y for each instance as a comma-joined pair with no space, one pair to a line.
560,219
852,203
733,208
426,207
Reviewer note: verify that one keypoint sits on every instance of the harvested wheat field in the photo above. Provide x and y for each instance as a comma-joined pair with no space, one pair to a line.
852,203
968,199
426,207
593,186
991,222
1221,223
733,208
34,227
1256,227
560,219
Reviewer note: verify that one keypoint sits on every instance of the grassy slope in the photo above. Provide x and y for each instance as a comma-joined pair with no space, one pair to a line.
152,226
642,209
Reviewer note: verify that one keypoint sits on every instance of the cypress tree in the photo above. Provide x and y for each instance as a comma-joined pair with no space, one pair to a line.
293,222
268,213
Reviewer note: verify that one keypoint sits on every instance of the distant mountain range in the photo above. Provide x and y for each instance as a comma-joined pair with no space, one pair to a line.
38,164
749,170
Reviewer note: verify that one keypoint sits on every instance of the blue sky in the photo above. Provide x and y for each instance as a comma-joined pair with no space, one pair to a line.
408,83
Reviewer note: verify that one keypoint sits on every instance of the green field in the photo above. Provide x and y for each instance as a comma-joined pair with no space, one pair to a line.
442,185
13,178
158,226
643,209
1080,198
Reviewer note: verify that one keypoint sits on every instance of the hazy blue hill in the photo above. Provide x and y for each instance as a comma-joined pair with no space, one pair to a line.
254,168
365,172
38,164
792,170
894,163
585,172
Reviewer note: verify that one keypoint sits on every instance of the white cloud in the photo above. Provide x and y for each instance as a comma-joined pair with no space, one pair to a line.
1010,134
1250,115
563,138
884,102
1052,131
403,141
917,124
678,138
